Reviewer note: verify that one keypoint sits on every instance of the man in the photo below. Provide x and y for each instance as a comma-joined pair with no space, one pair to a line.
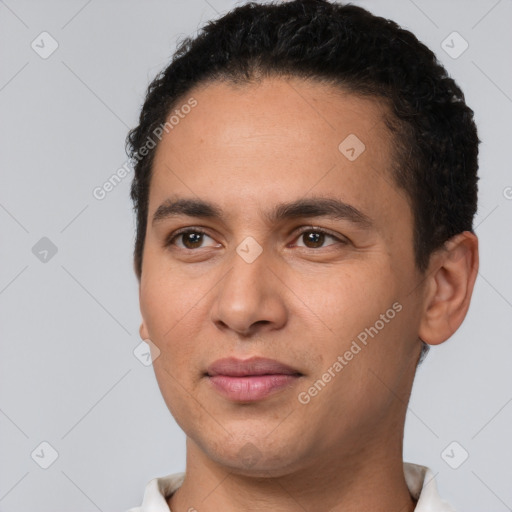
305,185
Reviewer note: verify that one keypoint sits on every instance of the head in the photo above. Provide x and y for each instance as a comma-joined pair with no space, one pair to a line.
268,121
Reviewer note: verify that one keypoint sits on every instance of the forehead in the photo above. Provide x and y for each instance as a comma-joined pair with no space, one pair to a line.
273,140
287,109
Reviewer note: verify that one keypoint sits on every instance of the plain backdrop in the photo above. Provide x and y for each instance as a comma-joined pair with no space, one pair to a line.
69,314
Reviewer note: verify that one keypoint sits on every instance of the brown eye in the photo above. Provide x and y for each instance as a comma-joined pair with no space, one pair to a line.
190,239
315,238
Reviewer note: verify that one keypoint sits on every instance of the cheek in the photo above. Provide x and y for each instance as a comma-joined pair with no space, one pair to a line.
171,304
169,317
346,300
177,391
167,300
362,322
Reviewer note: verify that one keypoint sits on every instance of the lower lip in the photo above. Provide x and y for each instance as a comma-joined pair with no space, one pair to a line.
251,388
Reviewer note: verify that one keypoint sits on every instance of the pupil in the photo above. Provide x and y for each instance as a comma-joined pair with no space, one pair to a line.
315,238
192,238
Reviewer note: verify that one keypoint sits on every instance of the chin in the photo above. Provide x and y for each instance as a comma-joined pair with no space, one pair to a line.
252,456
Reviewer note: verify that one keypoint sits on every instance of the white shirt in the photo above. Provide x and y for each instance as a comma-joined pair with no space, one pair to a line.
419,479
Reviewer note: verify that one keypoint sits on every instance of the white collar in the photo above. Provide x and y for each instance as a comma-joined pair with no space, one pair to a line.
422,485
420,481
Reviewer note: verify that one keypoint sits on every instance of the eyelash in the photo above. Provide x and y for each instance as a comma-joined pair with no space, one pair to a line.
307,229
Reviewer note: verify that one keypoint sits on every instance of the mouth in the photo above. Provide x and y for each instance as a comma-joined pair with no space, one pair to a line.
251,379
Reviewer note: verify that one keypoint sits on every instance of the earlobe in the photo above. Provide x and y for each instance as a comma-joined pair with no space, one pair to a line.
451,278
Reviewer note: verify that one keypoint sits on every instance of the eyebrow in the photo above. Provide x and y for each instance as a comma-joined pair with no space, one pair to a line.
311,207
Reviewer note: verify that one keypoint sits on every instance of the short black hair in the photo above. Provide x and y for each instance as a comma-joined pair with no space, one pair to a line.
436,141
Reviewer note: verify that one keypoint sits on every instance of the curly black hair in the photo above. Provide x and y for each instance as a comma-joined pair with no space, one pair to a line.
436,150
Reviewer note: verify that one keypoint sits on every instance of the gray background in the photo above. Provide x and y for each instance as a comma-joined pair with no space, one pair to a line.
69,324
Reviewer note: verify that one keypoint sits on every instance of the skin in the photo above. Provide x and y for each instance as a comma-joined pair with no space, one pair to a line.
246,149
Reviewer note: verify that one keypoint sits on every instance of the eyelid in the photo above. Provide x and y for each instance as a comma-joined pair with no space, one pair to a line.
169,240
326,231
337,236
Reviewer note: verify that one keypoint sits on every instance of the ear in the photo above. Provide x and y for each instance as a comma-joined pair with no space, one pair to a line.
450,280
143,332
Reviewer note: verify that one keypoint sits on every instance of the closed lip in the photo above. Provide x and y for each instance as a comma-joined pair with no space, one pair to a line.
234,367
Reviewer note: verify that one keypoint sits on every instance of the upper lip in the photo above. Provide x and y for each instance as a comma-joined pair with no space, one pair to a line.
233,367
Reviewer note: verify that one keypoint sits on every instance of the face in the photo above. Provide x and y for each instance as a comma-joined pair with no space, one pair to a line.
278,278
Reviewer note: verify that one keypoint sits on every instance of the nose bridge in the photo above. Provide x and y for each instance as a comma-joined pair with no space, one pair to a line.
250,292
248,278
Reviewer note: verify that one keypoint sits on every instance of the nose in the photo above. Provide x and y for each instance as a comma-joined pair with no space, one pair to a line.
251,298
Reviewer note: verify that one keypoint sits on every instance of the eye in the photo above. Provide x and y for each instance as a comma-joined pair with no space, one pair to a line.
314,238
193,238
190,238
